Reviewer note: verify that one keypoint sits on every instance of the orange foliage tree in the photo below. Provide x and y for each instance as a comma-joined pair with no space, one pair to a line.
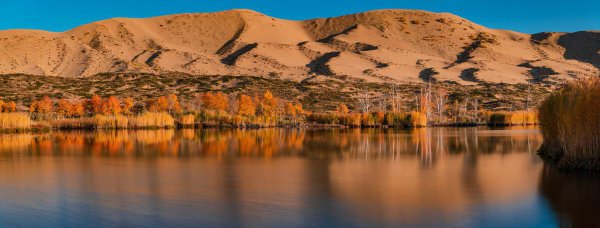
215,102
128,104
63,108
96,105
10,106
173,105
77,109
246,106
160,104
113,105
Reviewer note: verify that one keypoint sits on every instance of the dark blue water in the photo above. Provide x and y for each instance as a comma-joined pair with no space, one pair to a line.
442,177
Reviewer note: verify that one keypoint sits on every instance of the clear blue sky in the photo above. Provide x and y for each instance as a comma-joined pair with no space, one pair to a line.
528,16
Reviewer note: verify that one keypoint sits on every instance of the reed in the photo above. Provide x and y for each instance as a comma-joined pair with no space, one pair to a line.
188,120
392,119
326,118
74,123
570,125
519,118
110,122
152,120
405,120
14,122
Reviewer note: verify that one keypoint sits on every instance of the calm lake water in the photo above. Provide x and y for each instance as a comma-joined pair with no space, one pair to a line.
440,177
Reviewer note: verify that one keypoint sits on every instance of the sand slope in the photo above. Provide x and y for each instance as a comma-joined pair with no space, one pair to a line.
387,45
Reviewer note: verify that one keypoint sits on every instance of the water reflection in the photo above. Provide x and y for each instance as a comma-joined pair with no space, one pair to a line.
272,177
574,197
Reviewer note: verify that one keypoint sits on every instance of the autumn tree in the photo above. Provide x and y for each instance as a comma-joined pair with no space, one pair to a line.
221,102
246,106
299,109
63,108
128,104
268,104
160,104
342,109
216,102
11,106
77,109
45,105
207,100
96,104
113,105
293,111
42,108
290,110
173,105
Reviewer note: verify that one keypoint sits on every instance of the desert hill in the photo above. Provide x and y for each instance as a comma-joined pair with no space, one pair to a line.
377,46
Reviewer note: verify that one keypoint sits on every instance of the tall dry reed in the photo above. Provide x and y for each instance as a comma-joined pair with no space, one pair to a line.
187,120
111,122
152,120
570,125
519,118
14,121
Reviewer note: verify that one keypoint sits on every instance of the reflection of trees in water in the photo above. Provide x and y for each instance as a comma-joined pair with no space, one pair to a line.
573,196
14,142
428,144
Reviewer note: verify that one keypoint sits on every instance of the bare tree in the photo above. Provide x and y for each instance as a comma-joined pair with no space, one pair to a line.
364,102
440,99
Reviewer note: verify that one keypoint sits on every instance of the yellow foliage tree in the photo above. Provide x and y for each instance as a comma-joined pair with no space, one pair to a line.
246,106
342,109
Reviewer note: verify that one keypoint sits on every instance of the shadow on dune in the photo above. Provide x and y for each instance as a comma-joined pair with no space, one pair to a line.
572,196
582,46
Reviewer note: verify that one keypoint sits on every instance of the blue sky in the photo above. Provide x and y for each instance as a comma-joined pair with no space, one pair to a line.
528,16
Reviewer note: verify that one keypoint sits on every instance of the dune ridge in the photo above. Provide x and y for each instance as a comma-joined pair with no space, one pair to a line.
376,46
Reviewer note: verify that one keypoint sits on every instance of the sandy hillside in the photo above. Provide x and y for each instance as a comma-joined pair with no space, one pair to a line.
378,46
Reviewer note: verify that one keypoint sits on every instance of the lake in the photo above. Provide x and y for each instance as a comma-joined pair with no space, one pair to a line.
451,177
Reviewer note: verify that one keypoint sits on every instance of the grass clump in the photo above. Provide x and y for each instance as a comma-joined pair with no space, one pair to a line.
110,121
152,120
520,118
570,125
187,121
14,121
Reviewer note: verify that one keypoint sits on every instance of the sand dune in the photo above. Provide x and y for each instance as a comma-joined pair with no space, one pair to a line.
386,45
